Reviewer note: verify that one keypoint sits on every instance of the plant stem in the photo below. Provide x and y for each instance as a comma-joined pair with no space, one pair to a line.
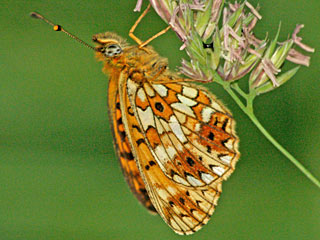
248,110
236,87
283,150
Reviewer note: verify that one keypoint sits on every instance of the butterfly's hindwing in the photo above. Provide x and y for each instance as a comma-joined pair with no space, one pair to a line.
190,147
182,179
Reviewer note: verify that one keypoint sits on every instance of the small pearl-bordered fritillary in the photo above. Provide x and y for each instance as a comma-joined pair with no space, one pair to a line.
175,141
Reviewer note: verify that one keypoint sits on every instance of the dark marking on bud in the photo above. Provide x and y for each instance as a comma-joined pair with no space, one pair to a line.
208,45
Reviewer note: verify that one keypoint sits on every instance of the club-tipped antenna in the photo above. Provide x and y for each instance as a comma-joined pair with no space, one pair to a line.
59,28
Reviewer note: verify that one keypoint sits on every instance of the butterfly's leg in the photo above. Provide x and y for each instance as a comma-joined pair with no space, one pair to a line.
136,39
136,24
154,37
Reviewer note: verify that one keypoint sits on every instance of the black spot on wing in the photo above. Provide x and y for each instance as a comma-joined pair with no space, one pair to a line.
118,105
208,149
211,136
182,200
136,127
216,121
224,124
190,161
152,163
140,141
128,156
130,111
159,106
119,121
223,142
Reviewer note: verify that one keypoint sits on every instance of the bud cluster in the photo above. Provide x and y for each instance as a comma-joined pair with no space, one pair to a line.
219,38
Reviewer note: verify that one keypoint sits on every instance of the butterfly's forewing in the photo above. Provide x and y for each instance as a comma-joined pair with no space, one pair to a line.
184,145
122,147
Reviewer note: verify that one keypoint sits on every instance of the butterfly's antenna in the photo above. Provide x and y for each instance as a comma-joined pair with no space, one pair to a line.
60,28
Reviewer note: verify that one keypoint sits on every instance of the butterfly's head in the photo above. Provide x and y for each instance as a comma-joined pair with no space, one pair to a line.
109,45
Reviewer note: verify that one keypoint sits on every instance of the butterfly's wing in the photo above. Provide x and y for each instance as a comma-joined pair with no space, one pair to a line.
122,146
184,144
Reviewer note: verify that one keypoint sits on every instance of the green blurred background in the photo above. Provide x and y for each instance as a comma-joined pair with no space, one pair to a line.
59,176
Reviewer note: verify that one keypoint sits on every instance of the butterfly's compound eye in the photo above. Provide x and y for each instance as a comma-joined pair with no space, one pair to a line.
112,50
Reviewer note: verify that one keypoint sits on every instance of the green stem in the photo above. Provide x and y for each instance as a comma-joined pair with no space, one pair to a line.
236,87
283,150
248,110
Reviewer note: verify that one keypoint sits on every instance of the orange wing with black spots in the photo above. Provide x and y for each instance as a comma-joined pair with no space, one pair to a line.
184,144
123,150
188,131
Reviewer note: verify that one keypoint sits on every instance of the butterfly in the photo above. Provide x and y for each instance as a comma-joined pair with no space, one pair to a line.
175,141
